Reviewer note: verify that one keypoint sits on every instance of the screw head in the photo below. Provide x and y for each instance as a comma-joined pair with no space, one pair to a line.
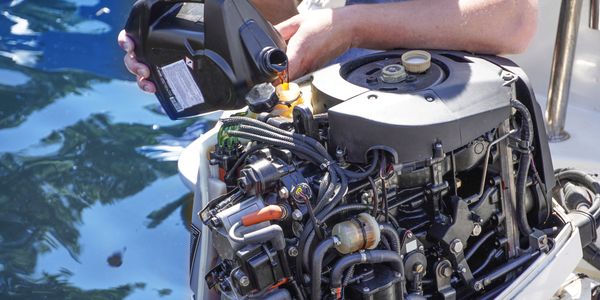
456,246
419,268
409,234
284,193
476,230
244,281
478,286
293,251
366,289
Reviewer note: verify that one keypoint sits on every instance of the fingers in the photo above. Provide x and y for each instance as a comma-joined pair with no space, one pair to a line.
146,85
136,67
125,42
289,27
295,58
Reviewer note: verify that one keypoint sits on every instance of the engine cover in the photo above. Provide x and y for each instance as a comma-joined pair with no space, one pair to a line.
458,99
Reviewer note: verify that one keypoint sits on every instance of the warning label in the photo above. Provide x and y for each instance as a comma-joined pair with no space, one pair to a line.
185,91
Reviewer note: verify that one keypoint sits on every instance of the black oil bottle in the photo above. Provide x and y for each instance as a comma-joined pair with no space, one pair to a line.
204,55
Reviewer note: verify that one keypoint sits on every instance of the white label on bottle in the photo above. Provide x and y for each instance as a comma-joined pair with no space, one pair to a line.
183,86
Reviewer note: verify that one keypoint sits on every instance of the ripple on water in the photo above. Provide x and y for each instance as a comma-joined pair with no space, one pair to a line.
13,78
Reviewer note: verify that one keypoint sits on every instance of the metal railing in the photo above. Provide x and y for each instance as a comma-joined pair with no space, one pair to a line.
562,64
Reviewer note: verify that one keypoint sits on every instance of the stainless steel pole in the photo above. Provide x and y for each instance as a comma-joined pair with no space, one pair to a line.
594,14
562,67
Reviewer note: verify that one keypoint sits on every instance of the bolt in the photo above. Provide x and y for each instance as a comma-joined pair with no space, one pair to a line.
476,230
429,98
507,76
446,271
297,215
366,289
419,268
409,235
244,281
478,286
293,251
284,193
365,197
336,241
462,269
456,246
397,274
421,248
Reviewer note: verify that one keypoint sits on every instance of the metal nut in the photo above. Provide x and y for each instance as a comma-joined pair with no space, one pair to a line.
293,251
284,193
297,215
456,246
476,230
446,271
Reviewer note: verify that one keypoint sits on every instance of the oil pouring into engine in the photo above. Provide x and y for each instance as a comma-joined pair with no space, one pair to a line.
398,175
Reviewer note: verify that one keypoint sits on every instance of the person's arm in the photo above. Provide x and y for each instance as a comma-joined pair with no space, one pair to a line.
276,11
484,26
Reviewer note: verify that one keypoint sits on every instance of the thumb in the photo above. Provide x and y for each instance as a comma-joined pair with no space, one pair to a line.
288,27
295,68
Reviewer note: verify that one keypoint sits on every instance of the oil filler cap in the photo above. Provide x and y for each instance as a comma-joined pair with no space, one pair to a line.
393,73
416,61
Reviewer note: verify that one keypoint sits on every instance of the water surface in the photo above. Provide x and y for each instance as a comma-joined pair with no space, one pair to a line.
91,205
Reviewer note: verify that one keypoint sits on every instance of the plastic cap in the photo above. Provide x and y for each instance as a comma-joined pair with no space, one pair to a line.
393,73
416,61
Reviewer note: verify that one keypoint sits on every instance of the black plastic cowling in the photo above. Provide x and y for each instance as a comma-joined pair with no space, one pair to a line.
204,55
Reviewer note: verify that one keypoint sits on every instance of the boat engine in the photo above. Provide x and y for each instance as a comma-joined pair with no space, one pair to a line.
394,183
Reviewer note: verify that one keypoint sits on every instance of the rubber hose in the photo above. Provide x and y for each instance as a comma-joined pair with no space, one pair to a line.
369,256
524,164
478,244
391,234
317,266
589,182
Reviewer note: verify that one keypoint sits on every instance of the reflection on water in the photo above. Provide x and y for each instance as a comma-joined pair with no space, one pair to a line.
90,202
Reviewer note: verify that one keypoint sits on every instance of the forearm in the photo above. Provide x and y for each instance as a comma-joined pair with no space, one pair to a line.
276,11
485,26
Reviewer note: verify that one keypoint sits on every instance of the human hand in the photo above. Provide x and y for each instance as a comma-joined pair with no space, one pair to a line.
317,37
135,67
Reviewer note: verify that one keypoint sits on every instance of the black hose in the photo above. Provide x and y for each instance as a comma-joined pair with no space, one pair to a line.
391,234
375,196
478,244
524,164
369,256
317,266
588,182
369,171
240,160
486,262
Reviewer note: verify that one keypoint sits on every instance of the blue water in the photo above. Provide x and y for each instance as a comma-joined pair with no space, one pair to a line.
91,205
